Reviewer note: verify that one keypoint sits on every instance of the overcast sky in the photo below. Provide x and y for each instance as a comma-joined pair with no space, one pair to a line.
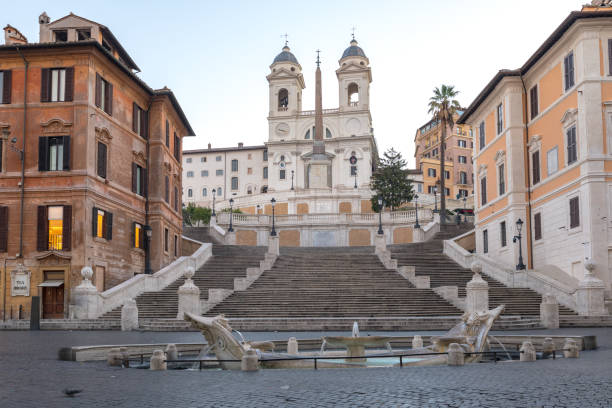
215,55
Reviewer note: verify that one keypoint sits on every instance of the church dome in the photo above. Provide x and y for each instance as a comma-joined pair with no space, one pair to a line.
353,51
285,56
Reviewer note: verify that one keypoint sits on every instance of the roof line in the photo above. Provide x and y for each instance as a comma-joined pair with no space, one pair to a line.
223,149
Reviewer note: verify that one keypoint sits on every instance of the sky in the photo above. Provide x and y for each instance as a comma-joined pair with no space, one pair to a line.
215,55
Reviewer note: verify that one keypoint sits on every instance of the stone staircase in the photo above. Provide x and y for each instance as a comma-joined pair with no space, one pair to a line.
429,260
228,262
200,234
332,283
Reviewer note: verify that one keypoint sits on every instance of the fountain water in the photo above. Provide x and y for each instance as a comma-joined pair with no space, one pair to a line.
502,346
355,329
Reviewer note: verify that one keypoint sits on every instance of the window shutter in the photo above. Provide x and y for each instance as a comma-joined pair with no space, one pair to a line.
109,98
167,191
66,143
144,124
537,221
134,116
6,87
3,229
566,72
42,237
133,243
610,56
45,85
167,134
134,176
108,218
143,182
43,153
141,238
67,228
69,90
101,160
94,221
98,90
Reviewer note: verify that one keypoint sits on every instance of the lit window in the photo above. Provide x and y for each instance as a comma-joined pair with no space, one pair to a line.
138,235
56,227
100,224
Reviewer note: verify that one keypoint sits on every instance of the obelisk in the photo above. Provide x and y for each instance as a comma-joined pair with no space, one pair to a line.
319,144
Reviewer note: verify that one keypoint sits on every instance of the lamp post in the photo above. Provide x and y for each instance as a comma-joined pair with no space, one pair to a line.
258,208
465,208
416,209
355,177
380,209
148,234
435,190
214,214
231,202
273,232
292,174
519,227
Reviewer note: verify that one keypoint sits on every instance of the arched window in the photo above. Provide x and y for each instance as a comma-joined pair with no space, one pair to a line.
219,191
328,134
353,94
283,99
190,193
249,190
204,192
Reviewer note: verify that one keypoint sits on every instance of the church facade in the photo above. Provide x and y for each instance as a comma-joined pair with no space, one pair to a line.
317,161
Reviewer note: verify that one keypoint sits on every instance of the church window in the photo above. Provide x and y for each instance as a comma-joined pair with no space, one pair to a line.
283,99
264,189
265,172
353,94
282,174
234,183
249,190
328,133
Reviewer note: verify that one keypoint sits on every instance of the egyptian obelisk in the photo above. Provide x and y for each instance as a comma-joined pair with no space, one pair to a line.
319,168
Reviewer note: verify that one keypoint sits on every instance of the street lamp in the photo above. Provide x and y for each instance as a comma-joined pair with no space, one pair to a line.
380,209
292,173
148,234
258,208
519,227
416,208
355,177
435,190
273,232
231,202
214,214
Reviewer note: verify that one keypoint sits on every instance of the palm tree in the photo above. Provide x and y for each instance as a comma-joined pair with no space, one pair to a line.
443,108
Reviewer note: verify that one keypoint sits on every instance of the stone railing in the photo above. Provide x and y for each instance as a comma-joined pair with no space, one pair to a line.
312,112
91,304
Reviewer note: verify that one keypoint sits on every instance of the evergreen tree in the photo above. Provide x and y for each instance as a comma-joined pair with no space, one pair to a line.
390,181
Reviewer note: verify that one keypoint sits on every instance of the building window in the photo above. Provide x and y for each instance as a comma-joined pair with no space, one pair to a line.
462,143
500,118
502,178
533,99
537,226
328,134
5,86
552,161
502,231
431,189
54,153
204,192
60,35
189,193
202,159
188,160
138,179
282,174
250,170
483,190
447,191
167,134
462,159
57,84
447,174
56,227
574,212
265,172
219,191
104,95
434,152
234,183
283,99
218,158
204,173
249,156
265,155
481,135
139,121
249,190
102,224
177,147
176,199
485,241
462,177
3,228
568,65
1,148
167,189
431,172
572,153
419,188
610,56
535,169
166,239
219,172
190,174
138,236
83,35
463,193
234,165
102,159
176,245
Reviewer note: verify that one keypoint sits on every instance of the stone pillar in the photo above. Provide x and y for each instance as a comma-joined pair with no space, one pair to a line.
86,297
418,235
380,244
273,245
230,238
477,292
548,347
158,361
189,296
129,316
250,361
417,342
292,346
549,312
528,352
456,356
570,349
171,352
590,294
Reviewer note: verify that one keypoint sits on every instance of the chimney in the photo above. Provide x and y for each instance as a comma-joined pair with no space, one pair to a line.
43,22
240,145
12,36
209,146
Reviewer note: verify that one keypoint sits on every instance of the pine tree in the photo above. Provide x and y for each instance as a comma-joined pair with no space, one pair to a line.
390,181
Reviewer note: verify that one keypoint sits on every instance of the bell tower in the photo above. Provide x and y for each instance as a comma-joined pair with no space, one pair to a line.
354,78
286,84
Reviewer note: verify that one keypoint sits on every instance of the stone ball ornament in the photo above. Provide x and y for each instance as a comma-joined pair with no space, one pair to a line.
87,272
189,272
477,268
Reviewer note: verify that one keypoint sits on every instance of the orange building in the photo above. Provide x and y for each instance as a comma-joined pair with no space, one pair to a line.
102,165
543,154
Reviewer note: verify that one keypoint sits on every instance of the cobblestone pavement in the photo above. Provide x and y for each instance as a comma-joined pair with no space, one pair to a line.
31,376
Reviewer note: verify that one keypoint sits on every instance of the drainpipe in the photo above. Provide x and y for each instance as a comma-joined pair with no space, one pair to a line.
147,228
23,150
529,235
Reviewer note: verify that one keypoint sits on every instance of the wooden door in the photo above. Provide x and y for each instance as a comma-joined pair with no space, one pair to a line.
53,302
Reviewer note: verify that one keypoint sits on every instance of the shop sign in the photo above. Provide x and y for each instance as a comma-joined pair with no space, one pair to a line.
20,281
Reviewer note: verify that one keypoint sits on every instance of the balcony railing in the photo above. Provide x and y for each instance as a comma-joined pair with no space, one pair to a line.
312,112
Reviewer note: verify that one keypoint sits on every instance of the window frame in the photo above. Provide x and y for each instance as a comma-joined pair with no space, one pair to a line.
485,241
534,102
482,140
102,165
574,199
234,165
234,183
537,226
569,71
500,118
536,171
573,129
503,234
